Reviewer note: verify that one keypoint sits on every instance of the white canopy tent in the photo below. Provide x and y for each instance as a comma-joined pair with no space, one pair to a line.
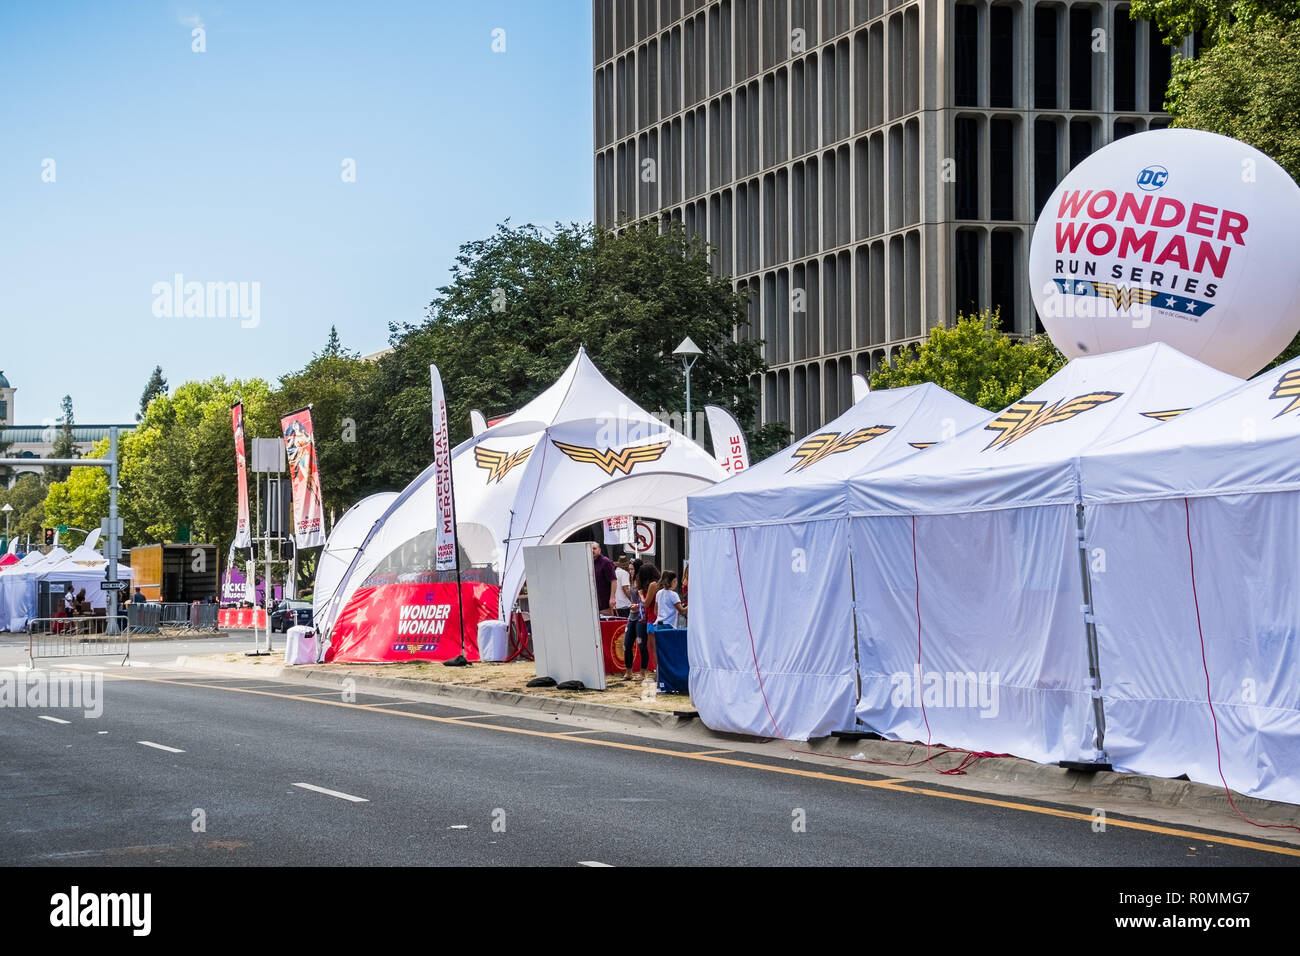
1197,521
18,588
967,567
343,545
771,637
515,484
83,568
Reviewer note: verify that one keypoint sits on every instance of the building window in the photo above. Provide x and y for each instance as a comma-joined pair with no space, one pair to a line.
1001,56
966,70
967,272
1045,58
1002,285
1002,169
1124,56
1080,141
1045,163
1081,59
1158,64
968,168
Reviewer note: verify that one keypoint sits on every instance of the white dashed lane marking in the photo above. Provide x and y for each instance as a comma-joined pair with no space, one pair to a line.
150,743
331,793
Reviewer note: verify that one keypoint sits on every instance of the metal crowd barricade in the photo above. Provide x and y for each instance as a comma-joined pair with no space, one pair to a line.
175,615
53,637
203,617
143,618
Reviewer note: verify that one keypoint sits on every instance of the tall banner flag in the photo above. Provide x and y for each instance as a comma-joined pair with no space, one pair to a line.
243,536
445,546
729,447
304,477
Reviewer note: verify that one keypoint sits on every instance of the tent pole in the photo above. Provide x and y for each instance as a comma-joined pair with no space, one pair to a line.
1100,761
460,591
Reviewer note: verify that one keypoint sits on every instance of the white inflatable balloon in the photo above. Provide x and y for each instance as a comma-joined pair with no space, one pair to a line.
1177,236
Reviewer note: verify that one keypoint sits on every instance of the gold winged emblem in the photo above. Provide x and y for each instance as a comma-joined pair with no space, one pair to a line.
608,460
1124,296
817,447
1288,386
1025,417
498,464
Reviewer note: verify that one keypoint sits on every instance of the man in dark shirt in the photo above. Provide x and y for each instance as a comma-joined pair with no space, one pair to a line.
138,597
606,579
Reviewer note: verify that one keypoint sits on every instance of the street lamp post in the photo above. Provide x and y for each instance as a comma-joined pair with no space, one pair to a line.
688,352
8,510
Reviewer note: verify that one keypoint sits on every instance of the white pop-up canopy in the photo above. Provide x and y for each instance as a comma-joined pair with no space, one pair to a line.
83,568
771,637
1200,590
968,557
18,587
619,459
603,455
342,547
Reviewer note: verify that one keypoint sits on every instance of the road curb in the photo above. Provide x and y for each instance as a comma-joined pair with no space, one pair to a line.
305,674
876,755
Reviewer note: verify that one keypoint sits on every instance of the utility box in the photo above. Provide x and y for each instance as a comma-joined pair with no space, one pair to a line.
175,573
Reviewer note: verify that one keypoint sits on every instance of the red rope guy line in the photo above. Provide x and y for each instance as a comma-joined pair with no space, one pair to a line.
1209,698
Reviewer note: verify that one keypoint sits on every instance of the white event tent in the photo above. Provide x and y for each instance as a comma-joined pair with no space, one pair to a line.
343,545
771,638
1197,522
970,582
18,588
83,568
578,452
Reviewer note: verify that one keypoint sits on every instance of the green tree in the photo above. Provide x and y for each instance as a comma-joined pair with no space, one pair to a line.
27,497
1245,83
157,385
178,466
81,500
520,304
975,361
64,445
336,383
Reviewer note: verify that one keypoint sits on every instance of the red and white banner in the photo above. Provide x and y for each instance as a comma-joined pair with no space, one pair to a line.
445,545
237,617
304,476
243,537
402,622
729,447
619,529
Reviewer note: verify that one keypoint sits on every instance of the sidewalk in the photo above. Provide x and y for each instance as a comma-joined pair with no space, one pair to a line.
621,709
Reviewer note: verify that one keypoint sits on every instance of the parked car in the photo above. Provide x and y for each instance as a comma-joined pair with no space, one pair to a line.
290,613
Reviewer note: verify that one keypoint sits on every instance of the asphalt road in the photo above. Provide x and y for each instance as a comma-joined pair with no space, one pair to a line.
434,784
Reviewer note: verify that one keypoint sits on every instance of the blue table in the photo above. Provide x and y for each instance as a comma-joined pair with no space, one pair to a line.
672,660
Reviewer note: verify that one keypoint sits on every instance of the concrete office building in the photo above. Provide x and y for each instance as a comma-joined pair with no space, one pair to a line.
868,168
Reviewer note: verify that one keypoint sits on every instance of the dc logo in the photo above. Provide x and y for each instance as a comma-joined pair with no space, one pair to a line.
1152,178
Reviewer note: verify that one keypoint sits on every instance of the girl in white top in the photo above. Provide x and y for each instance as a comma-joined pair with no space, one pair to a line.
669,602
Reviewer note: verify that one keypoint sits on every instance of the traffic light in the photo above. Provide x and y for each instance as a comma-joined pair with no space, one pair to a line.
49,537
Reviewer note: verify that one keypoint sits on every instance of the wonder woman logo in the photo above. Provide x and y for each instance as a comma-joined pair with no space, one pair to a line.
1165,415
498,464
817,447
1288,386
1025,417
1124,296
608,460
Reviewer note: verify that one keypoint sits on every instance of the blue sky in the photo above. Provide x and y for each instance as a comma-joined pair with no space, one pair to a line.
226,166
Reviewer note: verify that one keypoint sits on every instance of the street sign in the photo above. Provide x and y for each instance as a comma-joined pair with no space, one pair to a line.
63,529
113,585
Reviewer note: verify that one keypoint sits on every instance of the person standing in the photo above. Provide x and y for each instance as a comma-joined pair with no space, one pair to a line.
671,608
623,587
606,579
634,633
648,585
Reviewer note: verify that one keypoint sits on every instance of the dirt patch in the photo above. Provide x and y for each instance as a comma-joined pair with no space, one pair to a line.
508,677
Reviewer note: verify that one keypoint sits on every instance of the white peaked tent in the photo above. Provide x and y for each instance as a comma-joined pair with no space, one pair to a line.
18,587
83,568
602,455
967,559
1198,522
501,472
771,637
341,548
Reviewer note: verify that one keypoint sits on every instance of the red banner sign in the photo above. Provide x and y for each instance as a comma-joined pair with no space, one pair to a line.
403,622
304,475
242,535
237,617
